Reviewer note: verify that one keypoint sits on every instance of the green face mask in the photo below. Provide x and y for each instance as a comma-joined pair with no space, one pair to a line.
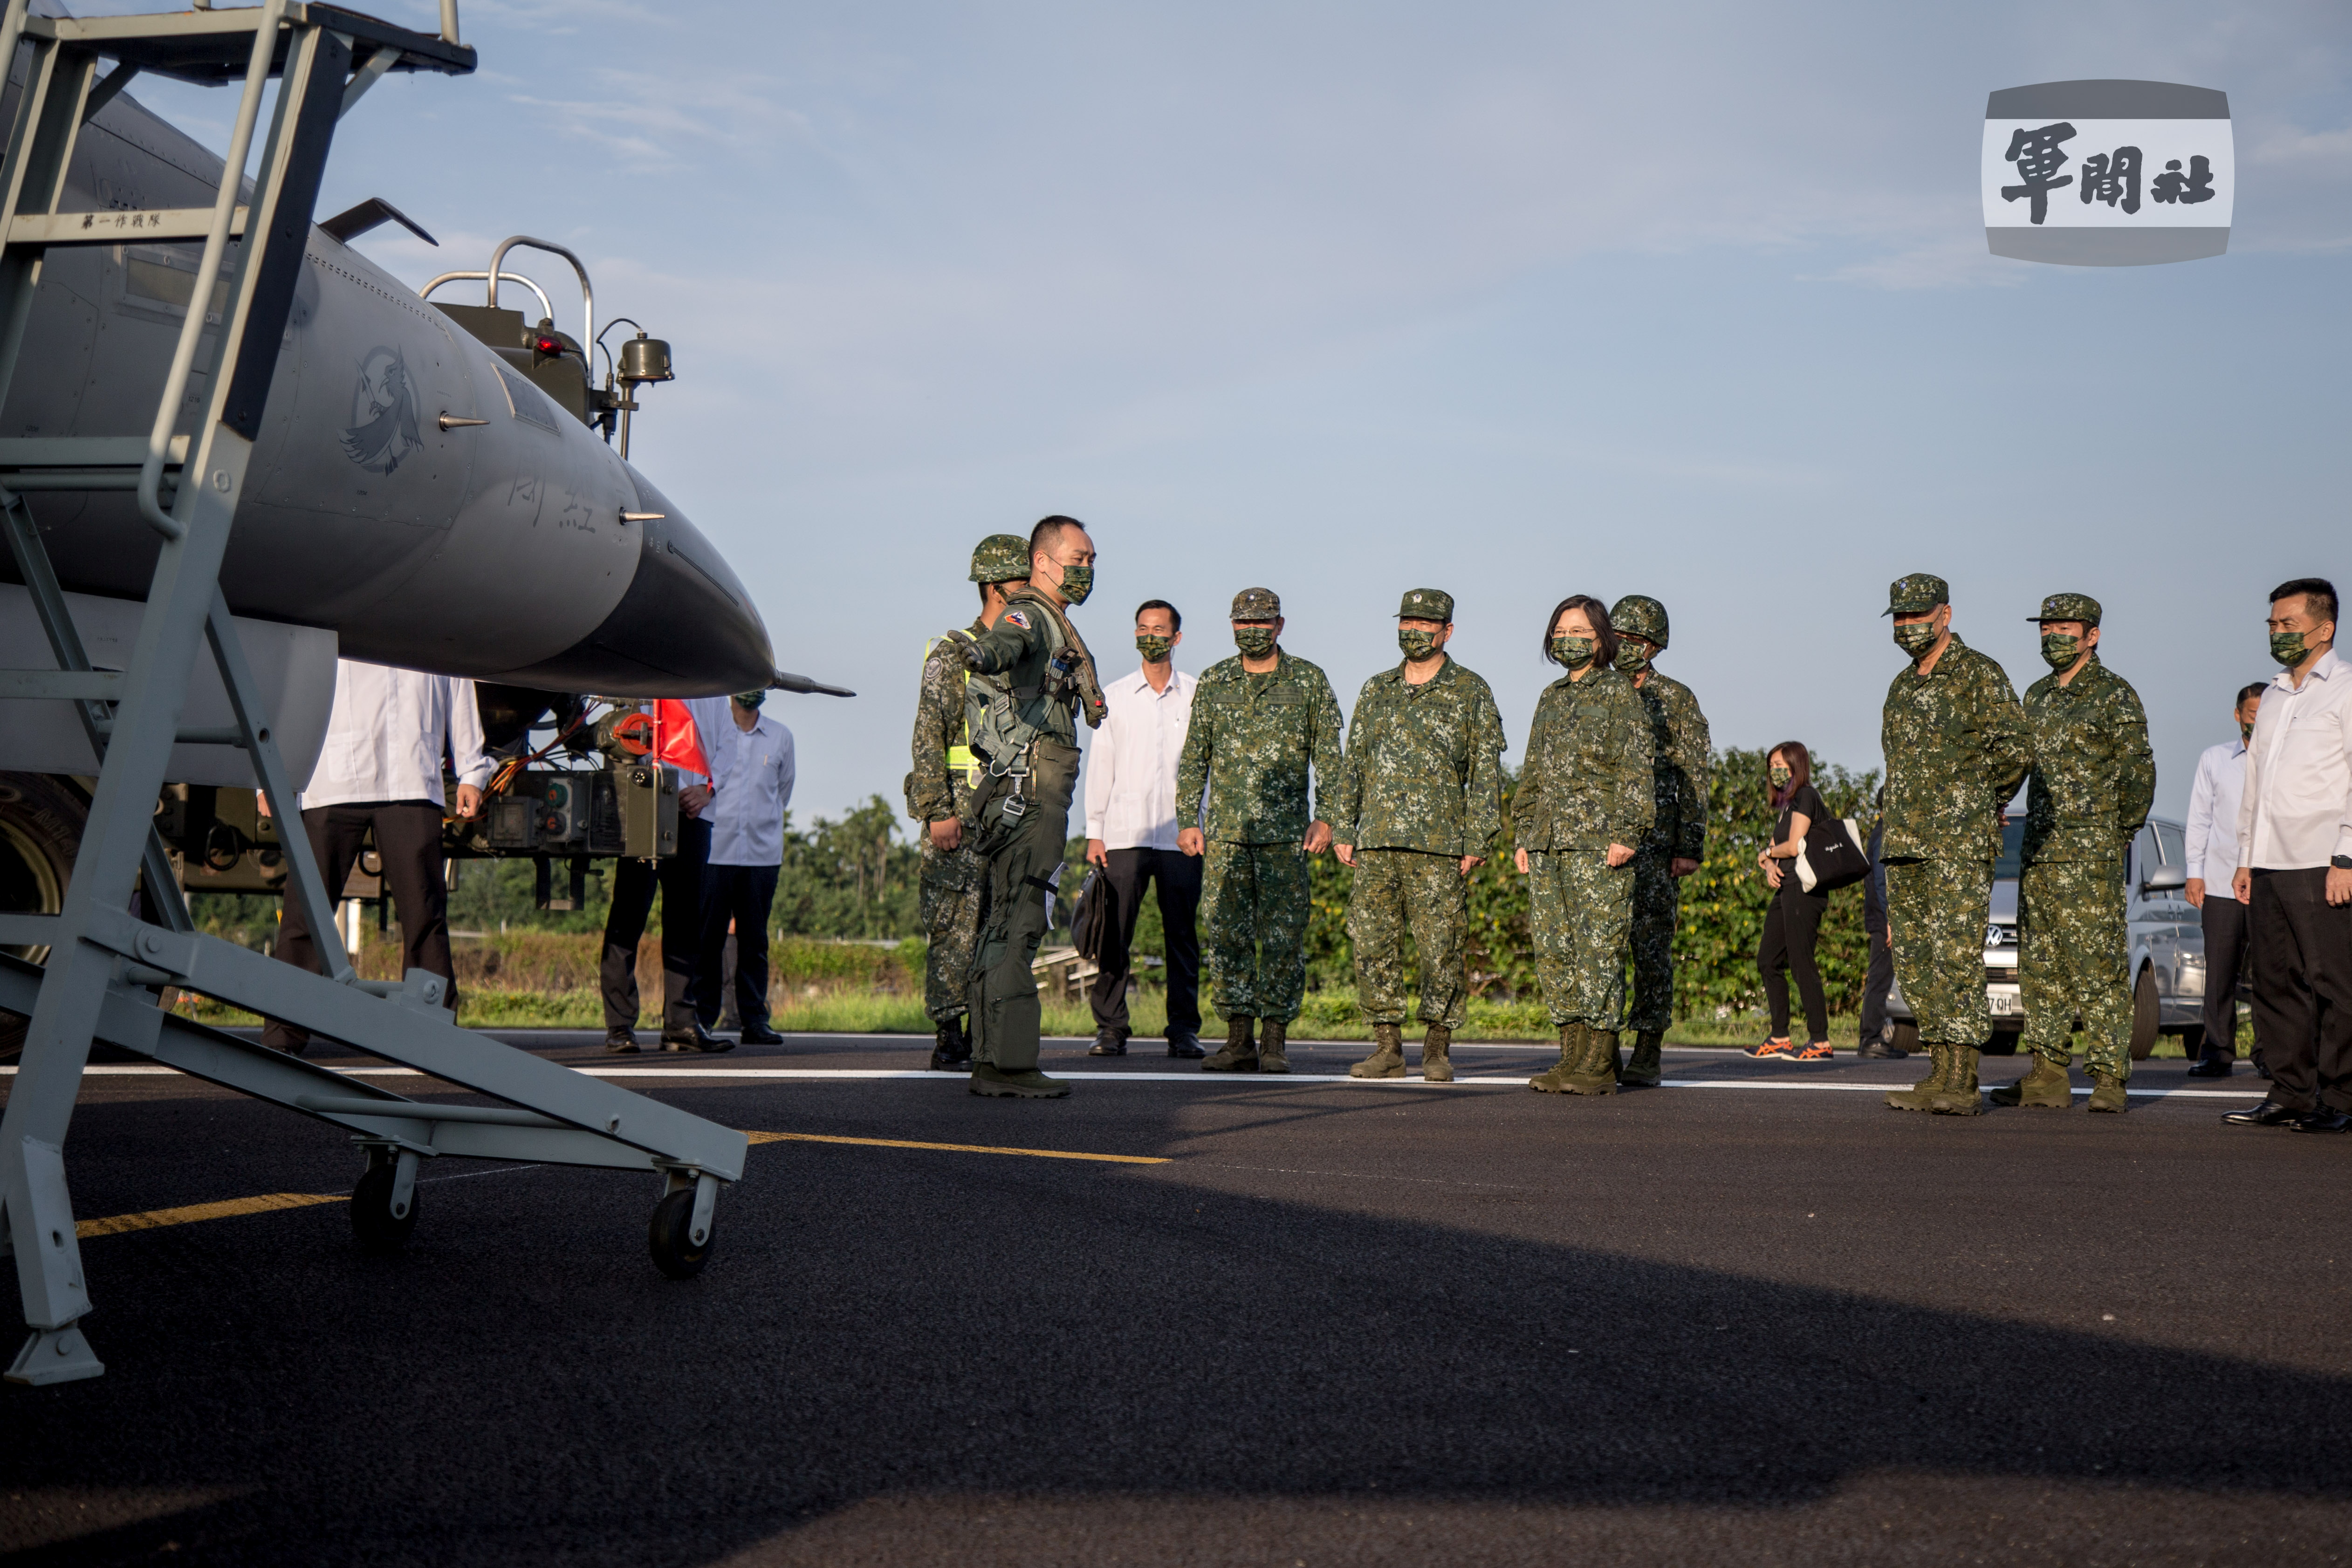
1255,641
1417,645
1631,656
1574,652
2287,648
1916,638
1781,776
2058,651
2245,731
1153,649
1078,581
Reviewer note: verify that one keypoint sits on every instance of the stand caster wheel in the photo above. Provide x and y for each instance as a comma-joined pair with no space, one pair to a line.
675,1251
373,1224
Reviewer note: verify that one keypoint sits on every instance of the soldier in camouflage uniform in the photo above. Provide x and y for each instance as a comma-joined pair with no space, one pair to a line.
1587,795
1258,721
1677,839
1956,747
1419,803
938,790
1027,742
2094,781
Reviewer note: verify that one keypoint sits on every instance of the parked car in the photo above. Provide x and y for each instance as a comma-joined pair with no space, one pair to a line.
2167,947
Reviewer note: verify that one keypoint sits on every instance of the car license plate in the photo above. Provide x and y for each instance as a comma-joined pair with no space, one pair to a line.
2006,1001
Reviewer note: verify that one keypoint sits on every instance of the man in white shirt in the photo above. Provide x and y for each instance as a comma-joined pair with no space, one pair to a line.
751,762
2213,802
679,879
379,774
2294,868
1131,832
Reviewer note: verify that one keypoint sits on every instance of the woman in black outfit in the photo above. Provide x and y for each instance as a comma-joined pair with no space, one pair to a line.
1794,916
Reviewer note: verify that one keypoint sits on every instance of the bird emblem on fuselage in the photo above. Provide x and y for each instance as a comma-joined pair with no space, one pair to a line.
383,413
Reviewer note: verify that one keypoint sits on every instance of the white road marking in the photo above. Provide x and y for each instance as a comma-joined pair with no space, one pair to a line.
1208,1079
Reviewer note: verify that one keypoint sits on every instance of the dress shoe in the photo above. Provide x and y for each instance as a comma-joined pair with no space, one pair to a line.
1186,1044
1879,1050
621,1042
2327,1119
1109,1042
760,1034
2266,1114
2213,1067
701,1039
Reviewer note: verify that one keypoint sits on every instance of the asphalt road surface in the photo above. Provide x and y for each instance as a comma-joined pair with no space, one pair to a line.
1338,1323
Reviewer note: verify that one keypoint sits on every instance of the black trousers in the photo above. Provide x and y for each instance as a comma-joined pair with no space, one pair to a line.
408,842
1875,985
2225,925
679,877
1175,876
2301,952
1789,927
743,894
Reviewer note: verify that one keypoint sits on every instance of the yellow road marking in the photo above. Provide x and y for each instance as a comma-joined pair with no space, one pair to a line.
188,1214
157,1218
955,1148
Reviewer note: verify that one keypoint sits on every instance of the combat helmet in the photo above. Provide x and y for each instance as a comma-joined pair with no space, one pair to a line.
1641,616
1001,558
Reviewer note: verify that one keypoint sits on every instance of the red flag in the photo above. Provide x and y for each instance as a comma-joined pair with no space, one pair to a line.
675,740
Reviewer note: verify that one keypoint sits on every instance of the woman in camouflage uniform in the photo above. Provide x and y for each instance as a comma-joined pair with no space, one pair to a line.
1585,799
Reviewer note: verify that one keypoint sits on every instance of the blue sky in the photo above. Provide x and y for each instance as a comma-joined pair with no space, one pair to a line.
1517,301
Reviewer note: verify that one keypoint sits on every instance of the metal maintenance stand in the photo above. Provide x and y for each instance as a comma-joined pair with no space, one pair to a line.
105,965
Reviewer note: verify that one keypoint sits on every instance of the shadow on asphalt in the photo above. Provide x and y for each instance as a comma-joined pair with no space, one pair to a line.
520,1387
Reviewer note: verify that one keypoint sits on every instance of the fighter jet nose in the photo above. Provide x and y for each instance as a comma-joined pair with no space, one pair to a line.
686,624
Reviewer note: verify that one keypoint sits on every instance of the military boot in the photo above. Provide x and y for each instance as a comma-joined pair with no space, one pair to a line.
1571,1051
2109,1093
1958,1096
1436,1055
1274,1045
1028,1084
1587,1065
1917,1097
1387,1060
2046,1084
950,1047
1239,1053
1647,1068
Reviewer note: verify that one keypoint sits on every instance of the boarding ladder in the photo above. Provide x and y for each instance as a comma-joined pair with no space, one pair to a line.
107,967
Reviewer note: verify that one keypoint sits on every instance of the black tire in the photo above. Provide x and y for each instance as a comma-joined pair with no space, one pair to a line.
373,1224
41,820
671,1237
2002,1042
1906,1038
2144,1014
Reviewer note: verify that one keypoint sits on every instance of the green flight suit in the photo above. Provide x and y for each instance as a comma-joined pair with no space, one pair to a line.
1023,825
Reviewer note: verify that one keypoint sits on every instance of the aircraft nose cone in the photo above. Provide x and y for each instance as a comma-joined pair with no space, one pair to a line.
685,627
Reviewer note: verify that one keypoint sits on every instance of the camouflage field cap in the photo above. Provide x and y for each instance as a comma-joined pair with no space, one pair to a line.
1257,604
1001,558
1639,615
2069,607
1918,594
1426,605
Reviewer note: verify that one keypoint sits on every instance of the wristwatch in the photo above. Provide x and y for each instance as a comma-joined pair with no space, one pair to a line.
2341,862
